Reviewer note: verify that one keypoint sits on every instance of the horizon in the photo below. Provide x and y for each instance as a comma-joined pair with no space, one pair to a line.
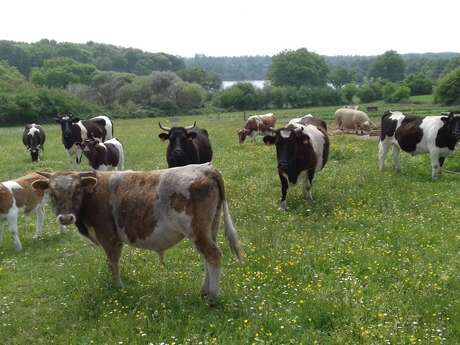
241,28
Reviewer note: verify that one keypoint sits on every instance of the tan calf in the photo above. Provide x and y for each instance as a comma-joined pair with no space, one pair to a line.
152,210
18,195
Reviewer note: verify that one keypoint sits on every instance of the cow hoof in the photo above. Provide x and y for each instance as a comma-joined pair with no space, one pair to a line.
210,299
118,284
283,206
18,248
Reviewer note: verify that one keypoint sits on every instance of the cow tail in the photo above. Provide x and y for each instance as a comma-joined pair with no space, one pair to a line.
230,231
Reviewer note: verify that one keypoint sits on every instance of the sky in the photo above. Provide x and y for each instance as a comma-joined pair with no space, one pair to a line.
240,27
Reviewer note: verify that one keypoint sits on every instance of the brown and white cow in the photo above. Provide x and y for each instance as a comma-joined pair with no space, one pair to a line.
256,125
16,196
152,210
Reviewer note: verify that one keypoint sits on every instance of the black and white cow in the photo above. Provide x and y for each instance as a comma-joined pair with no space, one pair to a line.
76,131
33,139
187,145
436,135
302,150
104,156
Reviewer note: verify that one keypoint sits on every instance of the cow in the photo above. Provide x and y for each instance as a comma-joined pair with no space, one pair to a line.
353,119
75,131
302,150
256,125
187,145
108,155
34,139
18,196
150,209
436,135
306,120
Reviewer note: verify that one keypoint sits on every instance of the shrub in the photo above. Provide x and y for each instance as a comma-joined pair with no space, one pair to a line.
448,88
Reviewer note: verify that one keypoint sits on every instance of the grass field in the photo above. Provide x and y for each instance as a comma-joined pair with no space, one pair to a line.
374,259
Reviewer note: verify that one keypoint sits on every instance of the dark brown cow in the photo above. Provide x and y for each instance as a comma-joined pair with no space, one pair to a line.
257,125
302,150
152,210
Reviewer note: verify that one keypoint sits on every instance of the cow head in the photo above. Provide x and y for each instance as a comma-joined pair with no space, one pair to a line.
242,134
66,121
289,141
34,152
180,149
66,190
453,122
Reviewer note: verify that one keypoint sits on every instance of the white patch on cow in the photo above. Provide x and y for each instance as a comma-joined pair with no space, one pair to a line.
108,126
12,214
285,133
294,121
121,155
10,185
33,129
430,126
317,140
84,131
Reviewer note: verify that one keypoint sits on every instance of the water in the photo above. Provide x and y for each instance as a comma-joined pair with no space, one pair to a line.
257,83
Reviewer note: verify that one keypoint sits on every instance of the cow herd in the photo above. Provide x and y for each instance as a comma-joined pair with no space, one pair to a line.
157,209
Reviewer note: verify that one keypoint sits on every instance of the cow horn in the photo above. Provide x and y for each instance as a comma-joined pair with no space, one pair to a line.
44,174
190,127
166,129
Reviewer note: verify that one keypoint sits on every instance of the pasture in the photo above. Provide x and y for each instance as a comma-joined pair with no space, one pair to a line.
374,259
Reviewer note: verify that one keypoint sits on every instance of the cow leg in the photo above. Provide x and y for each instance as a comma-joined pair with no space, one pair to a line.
396,160
113,251
40,221
13,225
2,229
435,165
253,136
308,183
383,150
284,189
212,257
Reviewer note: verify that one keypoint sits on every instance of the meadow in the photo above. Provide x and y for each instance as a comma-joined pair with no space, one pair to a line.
374,259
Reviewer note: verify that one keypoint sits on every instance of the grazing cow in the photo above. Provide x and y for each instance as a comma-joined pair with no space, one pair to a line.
436,135
353,119
18,195
301,151
151,210
34,139
256,125
104,156
75,131
187,145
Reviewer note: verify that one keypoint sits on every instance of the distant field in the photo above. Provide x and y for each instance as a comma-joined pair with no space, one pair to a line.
374,259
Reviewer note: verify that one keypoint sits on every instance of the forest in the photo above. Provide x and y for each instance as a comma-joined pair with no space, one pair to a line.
39,80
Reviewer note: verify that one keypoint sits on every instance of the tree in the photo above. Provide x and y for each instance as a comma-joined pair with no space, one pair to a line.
418,84
189,96
366,94
448,88
394,93
389,66
298,68
9,73
452,64
208,80
105,85
241,96
60,72
339,76
348,91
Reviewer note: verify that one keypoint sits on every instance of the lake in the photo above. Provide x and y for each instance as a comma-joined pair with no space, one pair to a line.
257,83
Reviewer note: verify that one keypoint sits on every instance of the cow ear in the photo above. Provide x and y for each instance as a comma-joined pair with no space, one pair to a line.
191,135
163,136
75,119
88,183
269,139
40,185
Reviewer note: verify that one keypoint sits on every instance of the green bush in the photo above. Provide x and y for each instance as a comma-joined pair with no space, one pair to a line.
366,94
348,91
419,84
448,88
241,96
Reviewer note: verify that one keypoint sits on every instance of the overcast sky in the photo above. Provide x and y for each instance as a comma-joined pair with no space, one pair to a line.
240,27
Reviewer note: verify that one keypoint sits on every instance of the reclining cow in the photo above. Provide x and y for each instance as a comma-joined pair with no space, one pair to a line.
76,131
301,151
256,125
436,135
151,210
33,139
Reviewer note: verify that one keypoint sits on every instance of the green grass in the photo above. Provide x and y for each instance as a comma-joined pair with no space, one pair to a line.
374,259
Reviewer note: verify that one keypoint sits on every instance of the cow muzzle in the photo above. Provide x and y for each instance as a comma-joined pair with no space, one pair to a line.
66,219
